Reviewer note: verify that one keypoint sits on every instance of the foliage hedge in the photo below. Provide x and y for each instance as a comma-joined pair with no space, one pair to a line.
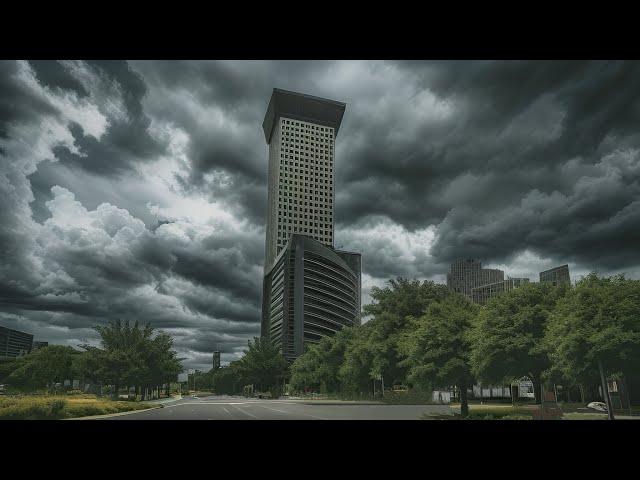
52,408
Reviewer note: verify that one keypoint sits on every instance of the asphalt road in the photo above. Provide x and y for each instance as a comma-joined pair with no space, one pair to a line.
240,408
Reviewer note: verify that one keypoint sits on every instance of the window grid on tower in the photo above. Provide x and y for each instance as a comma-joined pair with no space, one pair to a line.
306,177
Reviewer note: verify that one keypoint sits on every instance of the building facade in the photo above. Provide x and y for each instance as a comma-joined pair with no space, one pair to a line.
300,131
556,275
467,274
14,343
310,292
484,293
39,345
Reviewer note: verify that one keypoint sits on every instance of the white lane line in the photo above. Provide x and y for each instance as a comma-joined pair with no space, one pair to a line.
274,409
226,410
312,416
293,413
247,413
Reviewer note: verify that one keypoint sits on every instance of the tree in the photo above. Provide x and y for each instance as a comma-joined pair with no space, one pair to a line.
228,380
508,337
391,311
44,367
319,367
598,321
132,355
438,350
263,365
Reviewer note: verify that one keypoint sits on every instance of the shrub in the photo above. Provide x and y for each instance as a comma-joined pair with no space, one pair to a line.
32,408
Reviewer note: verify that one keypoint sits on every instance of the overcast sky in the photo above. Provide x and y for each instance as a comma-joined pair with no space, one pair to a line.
137,190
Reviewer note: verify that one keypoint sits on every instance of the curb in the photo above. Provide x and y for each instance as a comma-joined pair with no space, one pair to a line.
109,415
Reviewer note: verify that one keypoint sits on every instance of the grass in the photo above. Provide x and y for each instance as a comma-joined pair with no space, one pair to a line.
59,407
518,412
407,398
499,412
584,416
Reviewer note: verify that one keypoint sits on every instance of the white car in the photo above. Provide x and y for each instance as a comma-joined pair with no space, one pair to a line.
600,406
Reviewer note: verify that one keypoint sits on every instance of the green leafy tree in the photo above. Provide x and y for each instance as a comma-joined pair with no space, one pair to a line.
44,367
438,350
357,370
508,337
391,311
263,365
597,321
133,355
319,367
228,380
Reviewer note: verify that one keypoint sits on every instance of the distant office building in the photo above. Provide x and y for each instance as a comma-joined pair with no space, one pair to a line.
216,360
556,275
14,343
467,274
483,293
39,345
311,292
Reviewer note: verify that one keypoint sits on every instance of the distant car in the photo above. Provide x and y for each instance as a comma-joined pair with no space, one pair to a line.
600,406
2,389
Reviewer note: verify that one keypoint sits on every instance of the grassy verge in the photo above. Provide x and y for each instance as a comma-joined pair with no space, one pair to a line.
59,407
407,398
488,412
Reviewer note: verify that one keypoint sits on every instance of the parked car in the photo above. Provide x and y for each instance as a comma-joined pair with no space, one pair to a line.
600,406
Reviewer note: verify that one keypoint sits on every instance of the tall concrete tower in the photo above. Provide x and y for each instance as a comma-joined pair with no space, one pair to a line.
300,131
310,290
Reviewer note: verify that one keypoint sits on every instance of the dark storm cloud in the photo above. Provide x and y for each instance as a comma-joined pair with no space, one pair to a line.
55,76
197,96
434,161
16,102
514,128
127,139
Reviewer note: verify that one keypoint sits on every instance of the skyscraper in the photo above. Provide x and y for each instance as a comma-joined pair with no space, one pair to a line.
467,274
310,290
484,293
556,275
216,360
14,343
300,131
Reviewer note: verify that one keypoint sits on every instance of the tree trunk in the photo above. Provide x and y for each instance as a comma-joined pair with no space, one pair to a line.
605,392
116,389
464,402
537,388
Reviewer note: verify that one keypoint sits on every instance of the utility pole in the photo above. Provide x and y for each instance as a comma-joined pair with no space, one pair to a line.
605,392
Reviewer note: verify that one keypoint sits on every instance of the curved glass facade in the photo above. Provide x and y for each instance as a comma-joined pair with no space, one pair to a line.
312,291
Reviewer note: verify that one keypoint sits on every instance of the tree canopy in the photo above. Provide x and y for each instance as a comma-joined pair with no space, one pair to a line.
597,321
507,341
437,350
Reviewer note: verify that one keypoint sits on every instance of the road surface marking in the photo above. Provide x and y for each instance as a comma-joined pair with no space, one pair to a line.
226,410
275,410
250,414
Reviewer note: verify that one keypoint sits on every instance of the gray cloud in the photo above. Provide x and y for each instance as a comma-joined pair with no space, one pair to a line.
138,189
